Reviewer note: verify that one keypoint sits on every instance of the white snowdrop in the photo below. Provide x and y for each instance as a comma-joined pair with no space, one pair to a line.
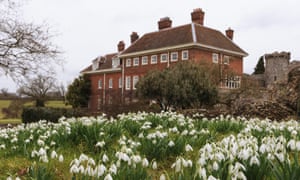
105,158
145,162
61,158
188,148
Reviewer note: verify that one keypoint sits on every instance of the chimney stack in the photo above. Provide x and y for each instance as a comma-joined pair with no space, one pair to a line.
229,33
198,16
121,46
133,37
164,23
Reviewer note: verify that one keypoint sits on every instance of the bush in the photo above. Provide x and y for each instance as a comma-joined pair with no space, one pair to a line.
34,114
14,109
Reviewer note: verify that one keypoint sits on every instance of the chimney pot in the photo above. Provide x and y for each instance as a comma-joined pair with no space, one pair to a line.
229,33
197,16
164,23
133,37
121,46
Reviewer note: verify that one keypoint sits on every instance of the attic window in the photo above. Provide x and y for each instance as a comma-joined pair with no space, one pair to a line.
115,62
95,64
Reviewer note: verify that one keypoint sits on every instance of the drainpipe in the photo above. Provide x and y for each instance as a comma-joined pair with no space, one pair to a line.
104,89
123,73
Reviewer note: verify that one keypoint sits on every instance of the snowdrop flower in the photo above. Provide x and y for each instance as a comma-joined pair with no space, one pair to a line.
154,165
52,143
211,177
101,170
53,155
91,161
44,158
280,156
185,132
13,140
292,144
61,158
215,166
171,143
145,162
141,135
188,148
254,160
136,158
9,178
40,142
100,144
81,169
2,146
17,178
83,157
42,152
113,169
202,161
105,158
178,165
298,145
74,169
108,177
202,172
162,177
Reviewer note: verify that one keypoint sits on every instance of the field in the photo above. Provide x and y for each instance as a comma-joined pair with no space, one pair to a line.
5,104
151,146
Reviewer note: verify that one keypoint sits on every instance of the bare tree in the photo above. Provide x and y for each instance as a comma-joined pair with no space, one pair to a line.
25,48
38,88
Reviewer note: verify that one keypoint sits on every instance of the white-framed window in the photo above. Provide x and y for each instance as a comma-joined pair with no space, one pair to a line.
128,83
115,62
136,61
128,62
233,82
154,59
110,83
144,60
215,58
174,56
95,64
120,82
226,60
185,55
163,58
135,81
100,84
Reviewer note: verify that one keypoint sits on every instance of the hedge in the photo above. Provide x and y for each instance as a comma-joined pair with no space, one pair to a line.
34,114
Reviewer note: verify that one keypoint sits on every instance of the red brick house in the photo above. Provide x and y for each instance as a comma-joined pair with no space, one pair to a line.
114,75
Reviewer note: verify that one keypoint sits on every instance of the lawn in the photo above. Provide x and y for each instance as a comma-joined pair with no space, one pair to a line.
5,104
152,146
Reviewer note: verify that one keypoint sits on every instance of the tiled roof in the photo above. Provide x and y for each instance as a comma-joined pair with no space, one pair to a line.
181,35
105,63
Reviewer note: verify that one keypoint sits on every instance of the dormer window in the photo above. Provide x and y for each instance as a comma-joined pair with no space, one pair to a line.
95,64
115,62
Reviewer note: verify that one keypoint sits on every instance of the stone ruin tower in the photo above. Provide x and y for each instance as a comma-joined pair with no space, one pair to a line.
276,67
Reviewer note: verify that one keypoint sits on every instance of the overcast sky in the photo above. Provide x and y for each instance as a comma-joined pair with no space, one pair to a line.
89,28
